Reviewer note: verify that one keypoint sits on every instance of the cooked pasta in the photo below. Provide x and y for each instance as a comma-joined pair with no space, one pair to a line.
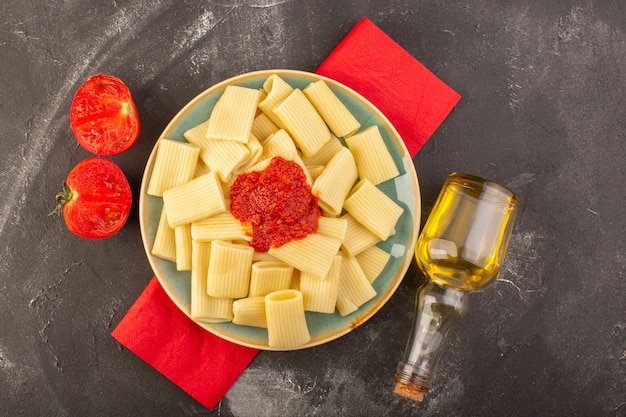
268,276
225,158
303,123
229,270
354,288
286,322
336,181
277,90
164,245
358,237
250,312
204,307
320,295
312,254
336,115
373,260
372,156
333,227
174,164
182,236
222,226
373,209
194,200
233,114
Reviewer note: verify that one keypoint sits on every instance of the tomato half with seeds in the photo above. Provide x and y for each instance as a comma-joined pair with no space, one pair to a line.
103,116
96,199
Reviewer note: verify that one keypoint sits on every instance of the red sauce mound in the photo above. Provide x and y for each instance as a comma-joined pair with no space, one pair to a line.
277,202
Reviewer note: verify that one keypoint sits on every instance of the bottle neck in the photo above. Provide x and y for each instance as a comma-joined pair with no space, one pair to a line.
439,308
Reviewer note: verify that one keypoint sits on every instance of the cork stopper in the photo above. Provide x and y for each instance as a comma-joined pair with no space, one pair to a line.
410,391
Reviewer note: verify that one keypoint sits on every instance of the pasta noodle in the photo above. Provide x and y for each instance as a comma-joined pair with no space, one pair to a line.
354,288
174,164
312,254
372,156
335,182
303,123
222,226
373,209
233,114
336,115
373,260
164,245
358,237
195,200
204,307
286,322
182,236
268,276
320,295
250,312
229,270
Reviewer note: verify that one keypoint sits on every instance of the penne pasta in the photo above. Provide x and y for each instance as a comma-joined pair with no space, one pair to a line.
204,307
304,124
373,209
195,200
233,114
354,288
320,295
313,254
286,322
373,260
229,270
336,115
174,164
372,156
250,312
268,276
335,182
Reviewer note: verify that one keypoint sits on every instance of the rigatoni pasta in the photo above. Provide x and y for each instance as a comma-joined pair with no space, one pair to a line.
174,164
229,270
373,209
233,114
372,156
194,200
286,322
203,307
304,124
336,115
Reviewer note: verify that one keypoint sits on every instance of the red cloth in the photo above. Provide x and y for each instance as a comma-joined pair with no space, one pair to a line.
202,364
415,101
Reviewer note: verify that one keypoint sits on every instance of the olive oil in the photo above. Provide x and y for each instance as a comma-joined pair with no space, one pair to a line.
464,241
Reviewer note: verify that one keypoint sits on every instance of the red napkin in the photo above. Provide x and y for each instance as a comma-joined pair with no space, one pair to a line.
202,364
415,101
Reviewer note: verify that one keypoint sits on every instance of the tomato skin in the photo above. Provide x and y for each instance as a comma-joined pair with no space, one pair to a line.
103,116
99,199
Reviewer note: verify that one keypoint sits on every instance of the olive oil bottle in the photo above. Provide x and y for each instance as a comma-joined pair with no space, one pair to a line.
460,249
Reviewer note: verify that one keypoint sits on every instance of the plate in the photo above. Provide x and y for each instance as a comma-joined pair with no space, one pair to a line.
404,190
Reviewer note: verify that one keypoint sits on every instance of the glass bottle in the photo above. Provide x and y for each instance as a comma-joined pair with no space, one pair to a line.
460,250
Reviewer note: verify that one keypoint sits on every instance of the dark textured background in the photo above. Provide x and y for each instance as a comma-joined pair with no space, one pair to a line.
543,111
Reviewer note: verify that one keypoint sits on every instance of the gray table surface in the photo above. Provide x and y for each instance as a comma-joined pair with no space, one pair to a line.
543,111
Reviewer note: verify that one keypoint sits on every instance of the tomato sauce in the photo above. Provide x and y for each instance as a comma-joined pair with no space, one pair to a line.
277,202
